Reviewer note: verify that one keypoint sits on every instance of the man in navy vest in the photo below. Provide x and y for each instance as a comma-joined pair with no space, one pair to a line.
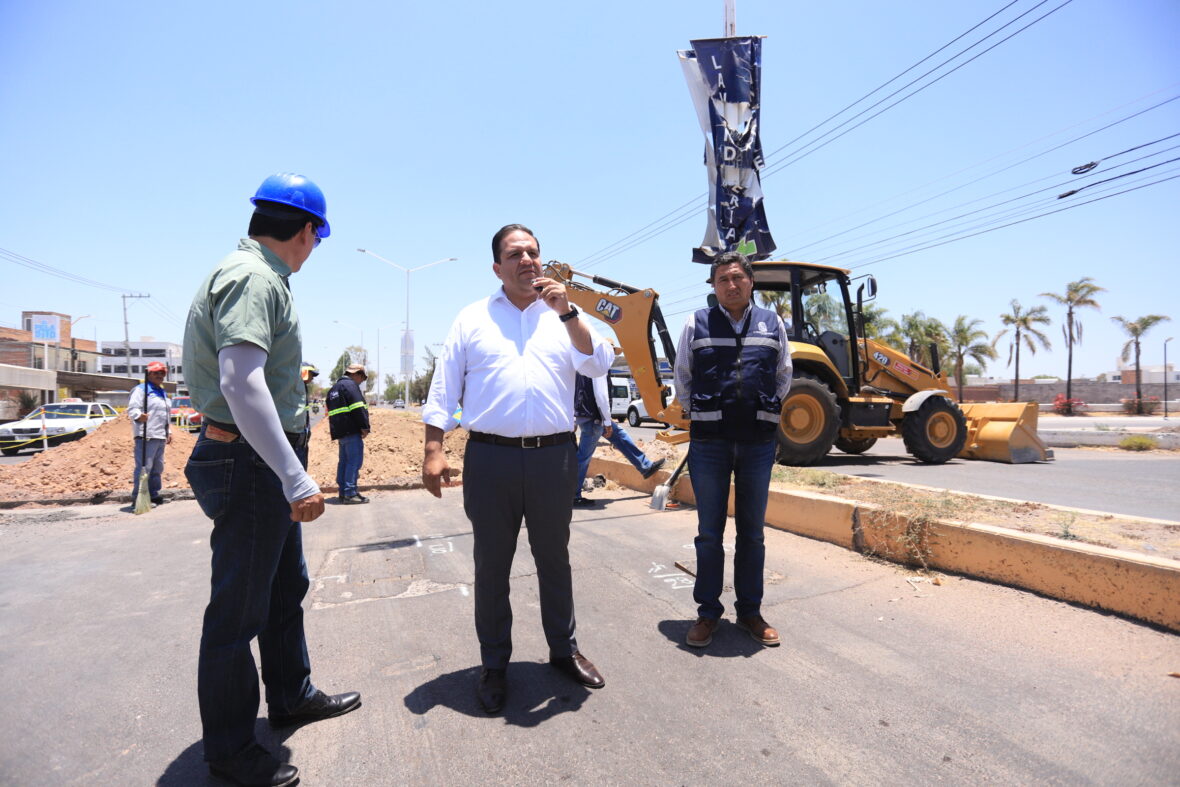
592,417
733,369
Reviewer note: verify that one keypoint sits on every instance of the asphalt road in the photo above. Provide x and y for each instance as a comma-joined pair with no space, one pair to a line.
879,681
1119,482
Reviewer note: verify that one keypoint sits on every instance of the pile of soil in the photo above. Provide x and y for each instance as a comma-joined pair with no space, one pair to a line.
393,451
102,461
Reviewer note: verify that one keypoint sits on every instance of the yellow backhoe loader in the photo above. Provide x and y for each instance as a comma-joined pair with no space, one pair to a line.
846,393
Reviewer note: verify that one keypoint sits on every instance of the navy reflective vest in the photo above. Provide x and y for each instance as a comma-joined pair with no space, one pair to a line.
347,411
585,405
734,389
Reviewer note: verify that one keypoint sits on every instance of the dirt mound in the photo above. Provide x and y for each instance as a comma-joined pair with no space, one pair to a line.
393,451
102,461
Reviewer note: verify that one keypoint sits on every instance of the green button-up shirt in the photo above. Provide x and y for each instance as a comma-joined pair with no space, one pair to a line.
246,299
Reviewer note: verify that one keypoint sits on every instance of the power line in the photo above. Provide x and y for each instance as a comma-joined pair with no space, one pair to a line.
622,245
1051,188
1011,224
1033,157
40,267
779,167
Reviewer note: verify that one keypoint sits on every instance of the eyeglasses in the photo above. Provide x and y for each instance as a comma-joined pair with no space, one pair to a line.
315,236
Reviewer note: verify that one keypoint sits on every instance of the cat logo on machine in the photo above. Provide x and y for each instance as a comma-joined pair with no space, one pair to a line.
609,311
881,358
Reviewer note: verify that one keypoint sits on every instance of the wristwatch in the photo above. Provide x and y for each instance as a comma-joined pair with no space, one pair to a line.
572,313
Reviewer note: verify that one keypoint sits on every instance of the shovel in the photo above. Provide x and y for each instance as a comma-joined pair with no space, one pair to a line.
659,495
143,499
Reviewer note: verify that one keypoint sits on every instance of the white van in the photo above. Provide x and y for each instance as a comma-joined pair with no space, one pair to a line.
618,392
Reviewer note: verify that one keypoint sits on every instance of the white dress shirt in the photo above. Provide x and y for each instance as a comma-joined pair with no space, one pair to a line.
511,369
683,368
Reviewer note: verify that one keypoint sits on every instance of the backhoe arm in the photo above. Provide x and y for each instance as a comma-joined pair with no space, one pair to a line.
631,313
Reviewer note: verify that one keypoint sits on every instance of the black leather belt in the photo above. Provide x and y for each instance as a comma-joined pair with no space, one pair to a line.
540,441
297,440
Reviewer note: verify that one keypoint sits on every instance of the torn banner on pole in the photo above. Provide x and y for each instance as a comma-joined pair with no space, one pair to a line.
724,76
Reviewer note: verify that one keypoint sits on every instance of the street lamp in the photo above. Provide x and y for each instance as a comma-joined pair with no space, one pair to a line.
408,366
1166,376
380,379
74,345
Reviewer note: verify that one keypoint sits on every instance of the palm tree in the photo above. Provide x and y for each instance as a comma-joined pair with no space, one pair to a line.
778,301
1078,295
882,329
1136,329
919,332
967,340
1024,323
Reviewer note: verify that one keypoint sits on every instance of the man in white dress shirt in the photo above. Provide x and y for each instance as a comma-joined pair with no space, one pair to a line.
510,360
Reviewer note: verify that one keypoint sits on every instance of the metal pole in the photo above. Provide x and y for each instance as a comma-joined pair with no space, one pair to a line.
1166,376
730,18
127,335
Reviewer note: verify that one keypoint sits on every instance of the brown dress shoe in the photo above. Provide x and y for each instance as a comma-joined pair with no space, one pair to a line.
580,669
760,630
701,633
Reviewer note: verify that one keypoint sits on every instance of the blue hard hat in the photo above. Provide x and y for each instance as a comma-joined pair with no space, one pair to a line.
287,188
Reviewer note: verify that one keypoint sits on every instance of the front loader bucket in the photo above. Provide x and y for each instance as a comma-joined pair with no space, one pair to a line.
999,432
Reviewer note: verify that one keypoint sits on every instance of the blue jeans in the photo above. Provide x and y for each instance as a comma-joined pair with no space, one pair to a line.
259,579
591,431
710,465
155,466
348,467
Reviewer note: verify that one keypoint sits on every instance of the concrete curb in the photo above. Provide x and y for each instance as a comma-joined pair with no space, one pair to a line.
1137,586
1074,438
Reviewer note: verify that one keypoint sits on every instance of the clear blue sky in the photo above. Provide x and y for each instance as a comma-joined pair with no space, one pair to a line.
133,134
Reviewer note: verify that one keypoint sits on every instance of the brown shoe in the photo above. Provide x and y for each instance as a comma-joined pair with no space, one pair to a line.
580,669
701,633
760,630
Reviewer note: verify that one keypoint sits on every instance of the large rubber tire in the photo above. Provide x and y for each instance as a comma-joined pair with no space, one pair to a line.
850,446
935,432
633,417
809,422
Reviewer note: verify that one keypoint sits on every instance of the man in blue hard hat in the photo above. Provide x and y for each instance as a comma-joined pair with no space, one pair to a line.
248,470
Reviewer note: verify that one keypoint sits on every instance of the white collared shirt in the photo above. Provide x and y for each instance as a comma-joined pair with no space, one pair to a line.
511,369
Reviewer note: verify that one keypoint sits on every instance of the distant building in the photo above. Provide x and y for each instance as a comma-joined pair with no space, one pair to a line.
1151,374
19,346
116,361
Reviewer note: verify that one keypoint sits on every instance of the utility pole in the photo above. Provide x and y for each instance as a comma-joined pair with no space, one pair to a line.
126,335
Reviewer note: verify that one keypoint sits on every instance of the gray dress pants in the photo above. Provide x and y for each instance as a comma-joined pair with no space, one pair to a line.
501,486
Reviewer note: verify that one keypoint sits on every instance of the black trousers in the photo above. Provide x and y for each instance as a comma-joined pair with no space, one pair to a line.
501,486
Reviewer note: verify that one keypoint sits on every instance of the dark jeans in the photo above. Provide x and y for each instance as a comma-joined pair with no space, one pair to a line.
501,486
348,466
259,579
590,433
710,465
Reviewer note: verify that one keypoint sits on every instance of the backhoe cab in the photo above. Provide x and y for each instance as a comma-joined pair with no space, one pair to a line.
850,393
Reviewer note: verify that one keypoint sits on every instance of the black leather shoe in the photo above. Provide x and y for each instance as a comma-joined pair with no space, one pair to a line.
255,767
655,468
356,499
492,689
319,707
580,669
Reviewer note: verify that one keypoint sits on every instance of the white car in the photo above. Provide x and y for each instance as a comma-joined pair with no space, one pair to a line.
637,411
64,421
